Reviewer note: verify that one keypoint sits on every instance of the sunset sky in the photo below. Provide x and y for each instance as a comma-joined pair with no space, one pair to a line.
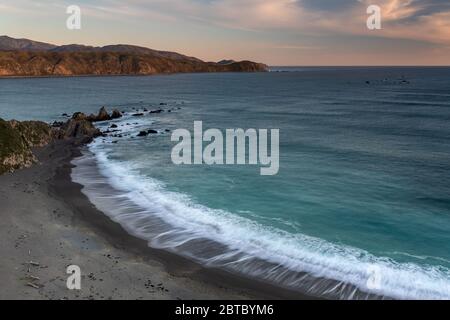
276,32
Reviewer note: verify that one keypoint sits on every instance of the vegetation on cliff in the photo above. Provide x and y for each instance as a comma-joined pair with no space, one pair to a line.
22,57
18,138
18,63
16,141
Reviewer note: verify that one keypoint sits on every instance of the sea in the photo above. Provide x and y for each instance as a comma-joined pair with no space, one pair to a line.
359,209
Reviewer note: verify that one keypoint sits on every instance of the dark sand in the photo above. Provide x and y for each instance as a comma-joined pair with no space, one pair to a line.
47,220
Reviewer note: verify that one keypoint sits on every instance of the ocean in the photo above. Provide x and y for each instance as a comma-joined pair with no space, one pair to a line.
360,207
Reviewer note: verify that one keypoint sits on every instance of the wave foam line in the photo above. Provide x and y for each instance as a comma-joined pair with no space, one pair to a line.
172,221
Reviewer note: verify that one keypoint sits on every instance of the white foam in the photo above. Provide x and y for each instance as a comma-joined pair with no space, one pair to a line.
246,239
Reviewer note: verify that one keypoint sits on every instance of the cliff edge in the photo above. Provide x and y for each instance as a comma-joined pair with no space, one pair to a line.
27,58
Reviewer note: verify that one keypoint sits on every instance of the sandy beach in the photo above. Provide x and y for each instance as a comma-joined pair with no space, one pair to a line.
48,224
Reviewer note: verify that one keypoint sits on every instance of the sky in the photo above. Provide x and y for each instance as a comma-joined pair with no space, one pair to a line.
275,32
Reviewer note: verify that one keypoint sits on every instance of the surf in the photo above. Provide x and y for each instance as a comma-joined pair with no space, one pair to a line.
217,238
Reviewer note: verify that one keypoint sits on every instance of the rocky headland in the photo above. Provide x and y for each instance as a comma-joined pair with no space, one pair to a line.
18,139
27,58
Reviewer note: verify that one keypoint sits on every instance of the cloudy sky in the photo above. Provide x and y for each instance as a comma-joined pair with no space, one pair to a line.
277,32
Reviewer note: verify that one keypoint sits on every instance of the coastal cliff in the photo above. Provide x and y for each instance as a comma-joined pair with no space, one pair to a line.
21,57
17,139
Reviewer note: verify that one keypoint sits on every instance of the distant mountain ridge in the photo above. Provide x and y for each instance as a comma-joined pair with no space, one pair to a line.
8,43
24,57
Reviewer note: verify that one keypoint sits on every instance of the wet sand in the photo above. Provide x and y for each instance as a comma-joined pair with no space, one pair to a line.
49,224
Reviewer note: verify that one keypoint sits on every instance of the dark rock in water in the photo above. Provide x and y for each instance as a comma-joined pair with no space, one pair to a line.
57,124
34,133
137,114
110,131
103,115
147,132
79,116
167,130
81,130
163,104
142,134
65,115
156,111
17,139
92,117
116,114
145,110
115,141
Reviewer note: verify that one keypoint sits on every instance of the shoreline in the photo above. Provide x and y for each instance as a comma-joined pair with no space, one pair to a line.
286,283
54,225
64,188
94,207
122,75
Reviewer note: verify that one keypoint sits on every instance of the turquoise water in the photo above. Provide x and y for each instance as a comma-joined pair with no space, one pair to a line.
364,168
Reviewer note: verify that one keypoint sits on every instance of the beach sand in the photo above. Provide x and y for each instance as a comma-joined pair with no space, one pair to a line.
46,220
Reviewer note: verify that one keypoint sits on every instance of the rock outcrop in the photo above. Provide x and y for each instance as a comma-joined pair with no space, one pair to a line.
22,57
102,115
33,64
14,153
79,131
18,138
34,133
146,133
16,141
116,114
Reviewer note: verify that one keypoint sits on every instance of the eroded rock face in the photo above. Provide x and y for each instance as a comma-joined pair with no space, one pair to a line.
103,115
35,133
116,114
16,141
80,131
27,63
146,133
18,137
79,116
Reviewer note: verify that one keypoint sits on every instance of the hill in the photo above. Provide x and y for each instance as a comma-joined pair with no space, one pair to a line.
23,57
